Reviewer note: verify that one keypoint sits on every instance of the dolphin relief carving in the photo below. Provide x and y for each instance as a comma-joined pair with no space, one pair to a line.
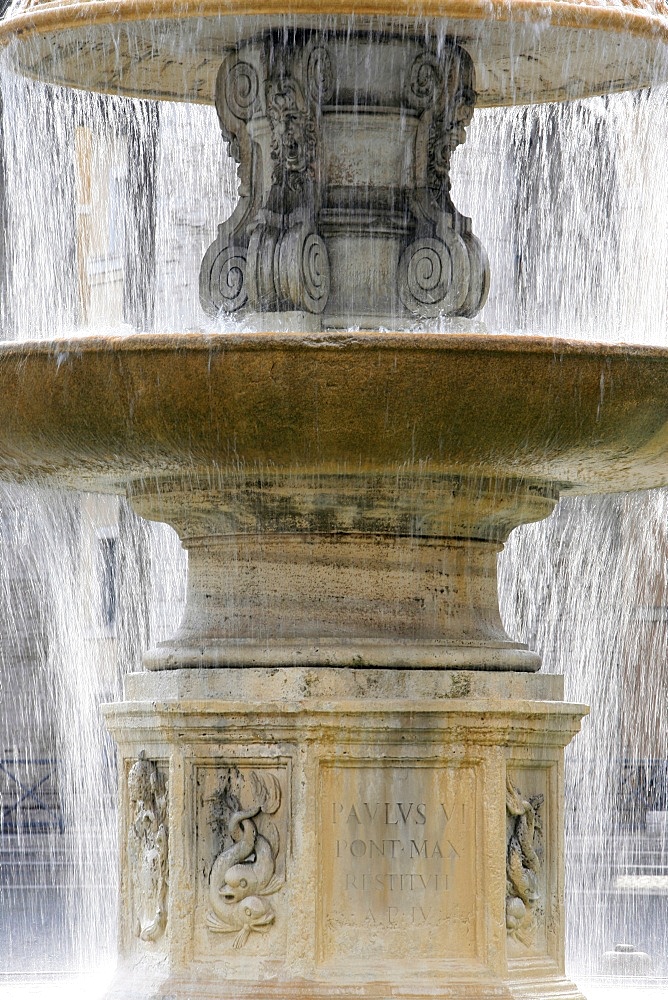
243,875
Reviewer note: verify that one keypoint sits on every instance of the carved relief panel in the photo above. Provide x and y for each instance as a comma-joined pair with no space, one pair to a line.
147,847
398,861
529,875
242,843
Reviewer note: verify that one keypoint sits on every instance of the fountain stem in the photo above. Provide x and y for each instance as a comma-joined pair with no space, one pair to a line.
348,570
344,145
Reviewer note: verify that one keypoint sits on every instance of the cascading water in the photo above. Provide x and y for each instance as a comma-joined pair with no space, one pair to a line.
590,228
578,241
59,843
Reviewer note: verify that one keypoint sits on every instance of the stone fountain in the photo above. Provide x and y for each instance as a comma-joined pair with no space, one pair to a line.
340,777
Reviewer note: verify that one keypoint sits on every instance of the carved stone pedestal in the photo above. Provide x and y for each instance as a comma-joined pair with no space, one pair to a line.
344,141
355,569
322,833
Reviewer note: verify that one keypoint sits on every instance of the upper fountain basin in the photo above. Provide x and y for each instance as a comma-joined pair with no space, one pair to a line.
108,414
523,50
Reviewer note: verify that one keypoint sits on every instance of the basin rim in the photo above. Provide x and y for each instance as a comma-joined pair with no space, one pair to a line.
99,413
637,28
331,340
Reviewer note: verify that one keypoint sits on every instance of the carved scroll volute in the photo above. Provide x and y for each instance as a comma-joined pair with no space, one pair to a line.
269,255
289,269
288,261
444,270
434,274
148,848
223,281
238,98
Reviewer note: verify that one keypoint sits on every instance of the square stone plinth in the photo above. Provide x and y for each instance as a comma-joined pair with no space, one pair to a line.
353,833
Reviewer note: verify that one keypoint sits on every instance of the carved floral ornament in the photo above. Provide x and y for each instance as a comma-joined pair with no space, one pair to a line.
274,101
243,874
147,847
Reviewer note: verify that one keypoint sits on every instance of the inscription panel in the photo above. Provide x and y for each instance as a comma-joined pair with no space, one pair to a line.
397,861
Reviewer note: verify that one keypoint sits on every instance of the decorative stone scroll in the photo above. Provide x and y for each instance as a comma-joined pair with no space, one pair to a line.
344,146
444,270
524,864
244,873
269,254
147,847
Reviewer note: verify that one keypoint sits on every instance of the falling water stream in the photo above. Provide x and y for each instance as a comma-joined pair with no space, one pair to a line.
572,205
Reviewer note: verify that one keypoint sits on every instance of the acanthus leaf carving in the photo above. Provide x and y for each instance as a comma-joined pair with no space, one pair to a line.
148,847
243,875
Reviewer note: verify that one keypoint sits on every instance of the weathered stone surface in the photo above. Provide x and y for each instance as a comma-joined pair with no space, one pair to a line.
291,685
346,599
242,410
324,224
333,833
342,498
147,848
523,50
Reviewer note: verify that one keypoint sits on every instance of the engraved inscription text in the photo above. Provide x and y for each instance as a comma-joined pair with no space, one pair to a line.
397,859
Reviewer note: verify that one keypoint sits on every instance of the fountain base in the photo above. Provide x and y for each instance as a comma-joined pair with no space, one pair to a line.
356,569
342,832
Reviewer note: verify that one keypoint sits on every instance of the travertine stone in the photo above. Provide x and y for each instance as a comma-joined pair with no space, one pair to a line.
148,848
526,889
343,497
325,224
326,833
397,857
314,837
104,414
342,575
523,50
249,814
296,684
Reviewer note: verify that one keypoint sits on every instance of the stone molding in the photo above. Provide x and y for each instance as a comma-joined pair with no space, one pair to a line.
349,570
305,685
481,721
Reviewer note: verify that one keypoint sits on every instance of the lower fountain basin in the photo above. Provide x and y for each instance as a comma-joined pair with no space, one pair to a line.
342,497
103,414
